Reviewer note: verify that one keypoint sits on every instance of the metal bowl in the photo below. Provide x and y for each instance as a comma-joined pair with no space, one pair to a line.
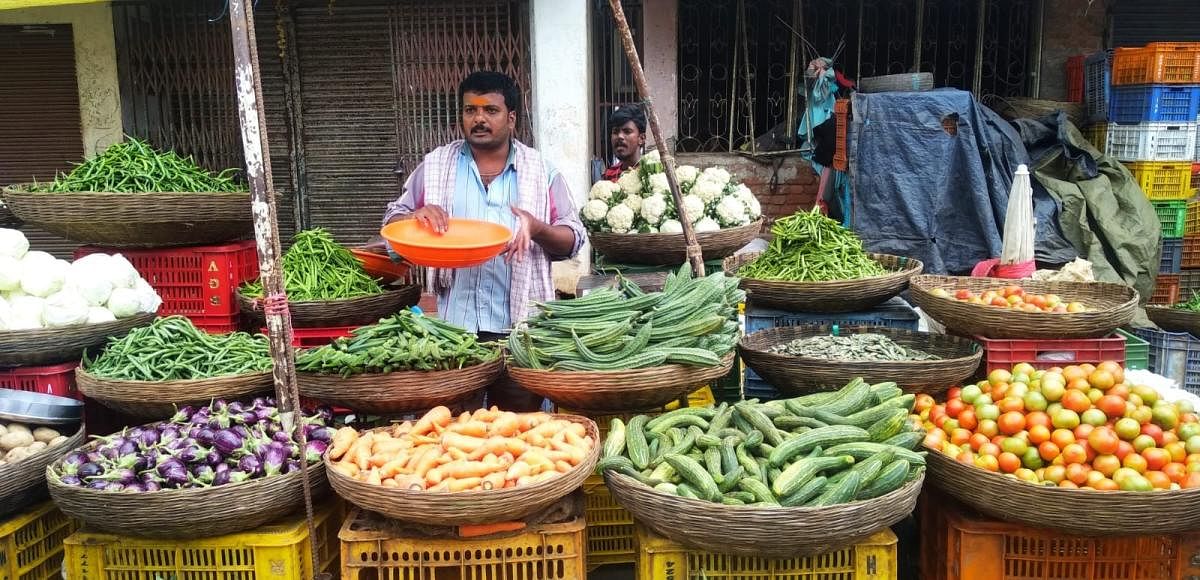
38,408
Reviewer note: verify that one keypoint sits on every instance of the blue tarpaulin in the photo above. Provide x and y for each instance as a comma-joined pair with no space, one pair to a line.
931,173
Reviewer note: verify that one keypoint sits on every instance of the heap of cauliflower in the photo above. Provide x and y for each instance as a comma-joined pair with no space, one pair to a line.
640,201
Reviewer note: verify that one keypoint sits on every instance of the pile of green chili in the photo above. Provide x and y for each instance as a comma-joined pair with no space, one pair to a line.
809,247
855,347
133,166
402,342
171,349
1191,305
316,267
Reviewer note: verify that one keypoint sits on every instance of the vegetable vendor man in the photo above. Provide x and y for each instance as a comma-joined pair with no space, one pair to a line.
627,134
492,176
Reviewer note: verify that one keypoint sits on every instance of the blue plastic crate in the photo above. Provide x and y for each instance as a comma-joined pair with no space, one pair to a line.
1175,355
1140,103
1097,73
895,313
756,388
1172,257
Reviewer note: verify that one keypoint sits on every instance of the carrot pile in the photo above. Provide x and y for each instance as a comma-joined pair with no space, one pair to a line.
487,449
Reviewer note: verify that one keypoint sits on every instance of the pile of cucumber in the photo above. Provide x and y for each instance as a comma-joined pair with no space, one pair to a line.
856,443
693,321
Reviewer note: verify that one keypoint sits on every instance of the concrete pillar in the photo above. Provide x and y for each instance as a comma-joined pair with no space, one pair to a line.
562,102
95,66
660,57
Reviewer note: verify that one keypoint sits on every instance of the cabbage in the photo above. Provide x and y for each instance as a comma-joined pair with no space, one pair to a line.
98,314
41,277
122,274
26,312
124,302
91,279
13,243
65,308
148,298
10,273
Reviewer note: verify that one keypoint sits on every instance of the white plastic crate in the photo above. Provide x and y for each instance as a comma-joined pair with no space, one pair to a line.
1152,141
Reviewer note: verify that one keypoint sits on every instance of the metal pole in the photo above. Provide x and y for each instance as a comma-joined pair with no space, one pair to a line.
746,71
248,83
793,58
694,255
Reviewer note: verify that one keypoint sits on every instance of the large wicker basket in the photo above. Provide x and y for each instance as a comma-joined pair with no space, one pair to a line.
959,358
24,482
399,391
1117,513
1109,307
618,391
188,513
135,220
1174,319
468,507
777,532
56,345
339,313
833,296
670,249
159,400
7,219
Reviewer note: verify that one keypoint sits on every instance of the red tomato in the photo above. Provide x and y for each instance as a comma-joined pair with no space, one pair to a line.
954,407
967,419
953,393
1009,462
1156,458
1104,440
1074,453
1154,431
1112,405
1011,423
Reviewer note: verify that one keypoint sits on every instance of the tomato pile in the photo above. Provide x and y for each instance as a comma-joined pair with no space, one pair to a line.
1013,297
1078,426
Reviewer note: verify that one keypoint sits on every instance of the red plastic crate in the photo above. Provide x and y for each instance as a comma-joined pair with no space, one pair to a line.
1075,78
1043,354
1166,289
51,380
223,324
194,281
314,337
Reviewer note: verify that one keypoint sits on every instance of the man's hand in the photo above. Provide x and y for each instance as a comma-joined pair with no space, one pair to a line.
432,217
527,228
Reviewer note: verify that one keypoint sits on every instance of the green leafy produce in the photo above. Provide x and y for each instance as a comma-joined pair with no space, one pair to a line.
1192,304
171,349
402,342
854,347
693,321
809,247
805,451
316,267
132,166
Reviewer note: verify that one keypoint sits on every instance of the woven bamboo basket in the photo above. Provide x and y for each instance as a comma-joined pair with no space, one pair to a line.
1125,513
7,219
903,82
959,358
159,400
1174,320
187,513
833,296
336,313
135,220
399,391
1012,108
1109,307
467,507
24,482
617,391
670,249
57,345
774,532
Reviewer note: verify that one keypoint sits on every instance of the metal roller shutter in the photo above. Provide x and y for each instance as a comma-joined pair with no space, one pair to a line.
1139,22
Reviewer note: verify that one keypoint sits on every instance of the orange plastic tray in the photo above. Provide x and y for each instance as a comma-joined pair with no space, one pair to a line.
465,244
381,266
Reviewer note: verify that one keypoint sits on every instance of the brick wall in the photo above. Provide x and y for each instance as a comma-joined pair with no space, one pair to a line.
781,184
1071,27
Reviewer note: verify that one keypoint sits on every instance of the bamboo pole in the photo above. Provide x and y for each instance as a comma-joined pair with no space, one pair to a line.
694,255
248,82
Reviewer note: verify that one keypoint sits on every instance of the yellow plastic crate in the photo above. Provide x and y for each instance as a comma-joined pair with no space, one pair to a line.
701,398
609,526
1097,134
1162,181
31,543
546,552
275,552
871,559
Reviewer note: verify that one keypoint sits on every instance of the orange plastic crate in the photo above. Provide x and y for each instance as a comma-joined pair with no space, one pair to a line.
1156,63
1166,289
1191,251
958,544
841,108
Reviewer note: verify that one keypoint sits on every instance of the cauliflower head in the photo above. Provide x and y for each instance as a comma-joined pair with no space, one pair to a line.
694,206
708,189
653,209
594,212
686,174
716,174
671,226
651,163
707,224
742,192
630,183
659,184
603,190
634,202
732,212
620,219
753,208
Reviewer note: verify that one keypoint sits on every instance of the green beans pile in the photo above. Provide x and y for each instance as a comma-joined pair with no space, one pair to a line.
133,166
402,342
172,349
316,267
1191,305
809,247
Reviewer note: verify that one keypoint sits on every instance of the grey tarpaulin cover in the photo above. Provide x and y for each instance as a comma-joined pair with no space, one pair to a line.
931,173
1104,212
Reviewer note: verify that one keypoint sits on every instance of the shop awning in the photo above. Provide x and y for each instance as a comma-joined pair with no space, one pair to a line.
19,4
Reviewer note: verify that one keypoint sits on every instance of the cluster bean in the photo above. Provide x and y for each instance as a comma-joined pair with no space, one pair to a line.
403,341
132,166
316,267
809,247
172,349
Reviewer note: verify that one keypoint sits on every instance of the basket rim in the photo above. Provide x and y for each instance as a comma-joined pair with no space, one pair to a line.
500,359
256,303
910,264
615,373
922,283
657,236
80,371
52,333
20,189
889,331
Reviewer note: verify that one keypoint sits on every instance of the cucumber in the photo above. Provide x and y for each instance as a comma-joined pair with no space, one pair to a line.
615,443
761,492
868,468
906,440
635,442
814,399
841,492
863,449
702,412
615,462
731,479
808,491
760,422
819,414
902,402
712,462
678,420
852,398
824,437
889,479
732,501
720,420
742,496
872,415
695,475
885,391
683,447
754,439
664,472
889,426
670,488
706,441
790,422
798,473
746,460
729,460
685,490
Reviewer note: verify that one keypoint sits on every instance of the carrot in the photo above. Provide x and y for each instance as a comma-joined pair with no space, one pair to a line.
576,454
547,429
360,452
390,483
437,417
506,425
347,469
427,462
466,443
434,476
576,429
562,466
463,484
393,467
373,477
570,437
389,446
494,480
342,440
464,469
534,439
471,428
487,415
518,470
401,429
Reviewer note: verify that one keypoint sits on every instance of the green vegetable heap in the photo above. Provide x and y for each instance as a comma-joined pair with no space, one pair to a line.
855,347
402,342
809,247
132,166
316,267
1192,304
172,349
691,322
823,449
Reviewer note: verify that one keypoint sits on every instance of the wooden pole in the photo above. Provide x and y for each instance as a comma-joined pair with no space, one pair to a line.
694,255
248,84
